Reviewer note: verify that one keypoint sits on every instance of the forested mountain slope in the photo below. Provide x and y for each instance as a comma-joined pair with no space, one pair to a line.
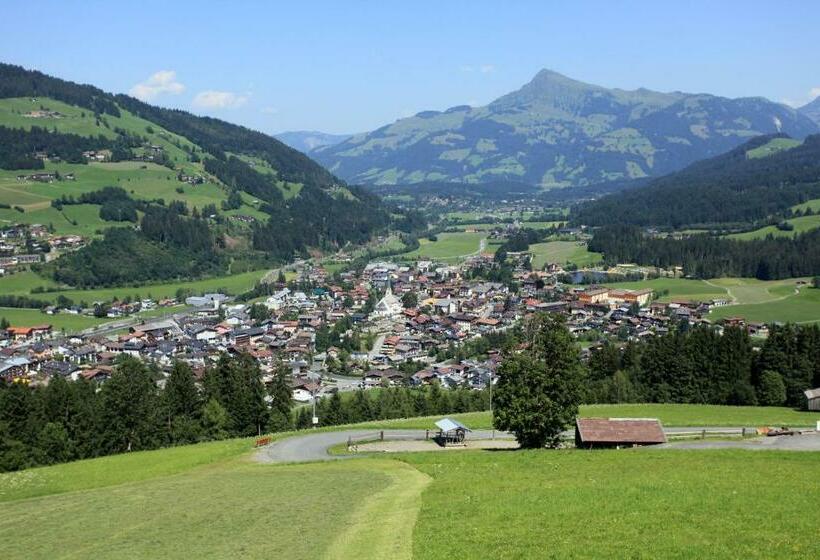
767,175
252,194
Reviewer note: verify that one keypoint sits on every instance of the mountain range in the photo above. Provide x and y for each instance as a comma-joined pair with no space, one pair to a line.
560,132
308,140
812,110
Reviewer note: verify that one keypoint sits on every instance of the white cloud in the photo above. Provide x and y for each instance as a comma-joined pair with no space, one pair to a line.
486,68
813,94
212,99
160,83
269,110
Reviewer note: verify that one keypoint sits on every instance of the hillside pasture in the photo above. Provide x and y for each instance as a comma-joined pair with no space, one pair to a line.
801,224
800,307
642,504
21,283
675,289
448,246
562,252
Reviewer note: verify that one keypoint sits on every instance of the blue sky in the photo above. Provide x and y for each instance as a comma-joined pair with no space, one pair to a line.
354,66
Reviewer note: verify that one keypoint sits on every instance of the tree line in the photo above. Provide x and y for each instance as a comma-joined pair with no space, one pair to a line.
68,420
699,365
18,146
704,256
16,81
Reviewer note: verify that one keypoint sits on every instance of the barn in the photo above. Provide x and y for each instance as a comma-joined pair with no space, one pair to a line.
617,432
812,398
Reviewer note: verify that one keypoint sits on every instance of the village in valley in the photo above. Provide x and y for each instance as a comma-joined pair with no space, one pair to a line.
388,324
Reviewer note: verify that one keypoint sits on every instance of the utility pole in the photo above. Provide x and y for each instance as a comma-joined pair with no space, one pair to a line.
492,422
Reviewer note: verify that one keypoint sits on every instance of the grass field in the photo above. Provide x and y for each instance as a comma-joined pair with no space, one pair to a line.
772,147
617,504
803,307
801,224
210,501
62,321
448,246
21,283
677,288
562,252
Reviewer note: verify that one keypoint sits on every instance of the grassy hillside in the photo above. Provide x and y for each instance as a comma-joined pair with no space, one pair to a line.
643,504
21,284
800,224
562,252
800,307
448,246
210,501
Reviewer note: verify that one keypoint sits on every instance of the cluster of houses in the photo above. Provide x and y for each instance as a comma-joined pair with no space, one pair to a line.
408,314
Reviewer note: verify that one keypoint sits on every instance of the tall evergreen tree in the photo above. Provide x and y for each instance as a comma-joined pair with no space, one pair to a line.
128,409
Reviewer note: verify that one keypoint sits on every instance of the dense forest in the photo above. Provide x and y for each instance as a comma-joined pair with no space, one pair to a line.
67,420
697,365
167,246
704,256
730,188
18,146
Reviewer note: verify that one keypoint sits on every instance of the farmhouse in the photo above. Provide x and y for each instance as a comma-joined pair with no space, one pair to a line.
617,432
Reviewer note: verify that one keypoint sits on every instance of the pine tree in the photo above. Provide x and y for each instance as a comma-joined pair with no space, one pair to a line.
128,413
281,399
182,405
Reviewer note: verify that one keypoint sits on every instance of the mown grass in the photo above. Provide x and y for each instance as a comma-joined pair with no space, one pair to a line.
20,317
232,509
447,246
116,469
562,252
803,307
617,504
675,289
209,500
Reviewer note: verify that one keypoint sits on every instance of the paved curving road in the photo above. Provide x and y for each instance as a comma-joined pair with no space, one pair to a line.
805,442
314,446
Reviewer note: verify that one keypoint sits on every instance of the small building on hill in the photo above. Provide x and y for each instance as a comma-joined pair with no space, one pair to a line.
812,398
617,432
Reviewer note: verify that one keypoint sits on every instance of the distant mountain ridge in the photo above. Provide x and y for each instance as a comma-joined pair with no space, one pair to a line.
812,110
559,132
308,140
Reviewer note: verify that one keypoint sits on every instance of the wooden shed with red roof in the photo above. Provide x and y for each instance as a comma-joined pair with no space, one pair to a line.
618,432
